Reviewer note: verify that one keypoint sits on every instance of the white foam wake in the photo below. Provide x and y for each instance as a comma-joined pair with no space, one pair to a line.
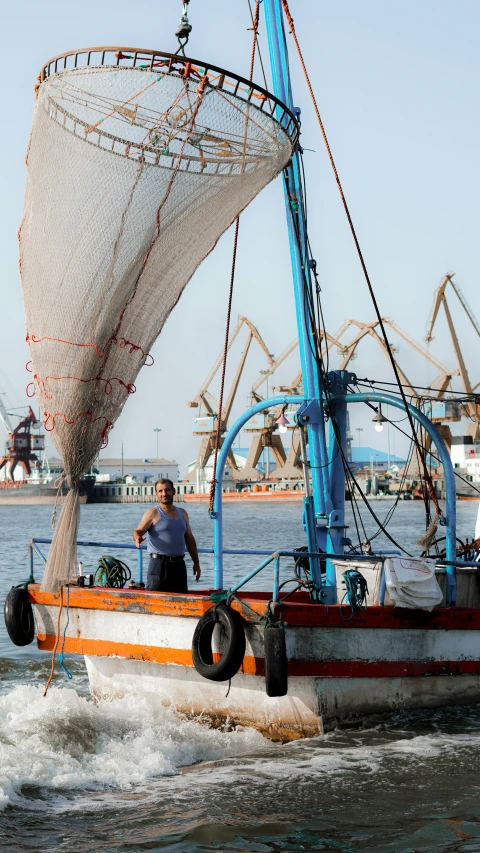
65,742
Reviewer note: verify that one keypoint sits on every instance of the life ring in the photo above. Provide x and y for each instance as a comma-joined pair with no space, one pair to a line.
276,665
232,657
19,616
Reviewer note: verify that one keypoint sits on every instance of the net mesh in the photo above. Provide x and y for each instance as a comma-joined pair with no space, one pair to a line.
132,177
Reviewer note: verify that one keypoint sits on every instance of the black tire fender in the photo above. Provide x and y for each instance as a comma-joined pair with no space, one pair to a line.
18,614
232,657
276,664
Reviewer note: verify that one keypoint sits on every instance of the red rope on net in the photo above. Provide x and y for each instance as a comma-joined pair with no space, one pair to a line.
123,343
89,415
130,387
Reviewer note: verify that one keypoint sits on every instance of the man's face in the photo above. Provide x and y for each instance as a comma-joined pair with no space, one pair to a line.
164,493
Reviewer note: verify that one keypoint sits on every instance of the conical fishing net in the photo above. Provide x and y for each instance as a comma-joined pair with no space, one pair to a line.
133,174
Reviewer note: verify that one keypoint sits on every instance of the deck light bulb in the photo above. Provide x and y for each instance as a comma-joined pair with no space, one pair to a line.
282,423
379,420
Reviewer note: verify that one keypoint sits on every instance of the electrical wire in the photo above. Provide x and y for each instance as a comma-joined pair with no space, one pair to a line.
468,398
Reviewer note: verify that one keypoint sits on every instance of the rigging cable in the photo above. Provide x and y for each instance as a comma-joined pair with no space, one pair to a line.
431,531
314,343
317,355
213,482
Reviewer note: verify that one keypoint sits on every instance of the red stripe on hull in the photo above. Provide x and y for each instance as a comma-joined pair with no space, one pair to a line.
382,669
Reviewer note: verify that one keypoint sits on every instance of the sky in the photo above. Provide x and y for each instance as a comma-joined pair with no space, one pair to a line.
397,85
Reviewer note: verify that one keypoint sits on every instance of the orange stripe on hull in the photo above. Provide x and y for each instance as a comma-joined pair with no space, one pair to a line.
130,601
130,651
256,666
295,613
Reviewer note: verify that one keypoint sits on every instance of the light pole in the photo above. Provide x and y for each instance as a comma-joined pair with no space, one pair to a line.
157,430
359,430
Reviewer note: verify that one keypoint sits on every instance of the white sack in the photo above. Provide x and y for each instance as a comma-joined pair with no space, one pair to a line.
412,583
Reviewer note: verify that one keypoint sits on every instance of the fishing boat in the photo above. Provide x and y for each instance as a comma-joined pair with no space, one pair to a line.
349,630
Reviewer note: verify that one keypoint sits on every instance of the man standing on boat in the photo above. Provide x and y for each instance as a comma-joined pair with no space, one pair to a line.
168,533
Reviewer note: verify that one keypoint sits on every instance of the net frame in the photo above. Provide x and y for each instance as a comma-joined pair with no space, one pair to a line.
152,60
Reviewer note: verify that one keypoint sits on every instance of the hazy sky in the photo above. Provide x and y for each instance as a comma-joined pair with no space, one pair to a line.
397,84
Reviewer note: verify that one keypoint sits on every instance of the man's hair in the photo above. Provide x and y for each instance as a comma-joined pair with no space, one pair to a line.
164,480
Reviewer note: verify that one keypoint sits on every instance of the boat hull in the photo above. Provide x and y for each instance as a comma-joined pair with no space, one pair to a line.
32,494
382,660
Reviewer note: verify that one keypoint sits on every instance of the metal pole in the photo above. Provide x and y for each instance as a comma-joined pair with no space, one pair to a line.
337,453
253,573
309,513
157,430
30,561
221,462
300,262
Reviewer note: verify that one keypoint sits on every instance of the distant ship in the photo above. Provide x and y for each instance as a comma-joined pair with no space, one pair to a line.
25,452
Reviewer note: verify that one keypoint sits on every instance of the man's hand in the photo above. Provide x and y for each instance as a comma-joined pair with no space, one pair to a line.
197,571
138,538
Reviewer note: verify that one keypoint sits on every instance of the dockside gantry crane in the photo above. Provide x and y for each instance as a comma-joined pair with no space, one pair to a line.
439,299
21,444
206,424
442,409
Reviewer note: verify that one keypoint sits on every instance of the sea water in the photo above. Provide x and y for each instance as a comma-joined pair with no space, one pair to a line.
131,775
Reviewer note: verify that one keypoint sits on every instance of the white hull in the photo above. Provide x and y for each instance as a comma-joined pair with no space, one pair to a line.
383,660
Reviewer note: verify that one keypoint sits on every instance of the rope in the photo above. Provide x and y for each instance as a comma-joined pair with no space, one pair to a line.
54,651
427,476
356,590
255,30
112,573
61,659
218,433
255,22
59,483
226,595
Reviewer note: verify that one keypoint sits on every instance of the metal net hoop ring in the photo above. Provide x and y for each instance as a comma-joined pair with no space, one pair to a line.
153,60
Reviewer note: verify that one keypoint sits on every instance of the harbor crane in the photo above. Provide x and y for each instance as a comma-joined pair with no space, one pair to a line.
21,444
439,299
205,425
264,428
442,409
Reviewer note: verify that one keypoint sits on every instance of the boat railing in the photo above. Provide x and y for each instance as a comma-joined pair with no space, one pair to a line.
270,555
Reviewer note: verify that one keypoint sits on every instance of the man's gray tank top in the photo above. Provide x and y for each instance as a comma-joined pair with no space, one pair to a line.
167,536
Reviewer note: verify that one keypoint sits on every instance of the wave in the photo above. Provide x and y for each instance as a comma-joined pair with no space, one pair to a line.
66,741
